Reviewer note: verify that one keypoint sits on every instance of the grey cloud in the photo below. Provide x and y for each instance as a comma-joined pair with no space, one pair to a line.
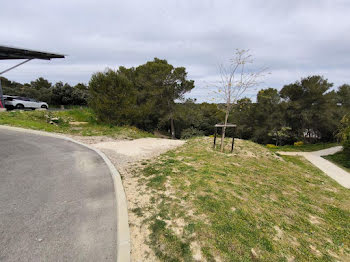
293,38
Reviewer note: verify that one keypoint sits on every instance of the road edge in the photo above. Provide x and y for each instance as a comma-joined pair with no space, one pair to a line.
123,232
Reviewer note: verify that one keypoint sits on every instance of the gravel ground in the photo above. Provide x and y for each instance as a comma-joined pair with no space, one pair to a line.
125,152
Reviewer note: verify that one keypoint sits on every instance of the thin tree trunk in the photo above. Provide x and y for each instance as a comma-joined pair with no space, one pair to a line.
223,132
276,140
172,126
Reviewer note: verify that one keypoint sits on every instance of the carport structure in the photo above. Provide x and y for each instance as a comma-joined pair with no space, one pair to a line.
11,53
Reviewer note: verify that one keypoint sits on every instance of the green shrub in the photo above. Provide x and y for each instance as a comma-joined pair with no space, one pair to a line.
271,146
345,133
299,143
346,142
112,98
191,132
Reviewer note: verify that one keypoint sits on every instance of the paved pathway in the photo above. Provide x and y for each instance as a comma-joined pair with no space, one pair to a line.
332,170
57,201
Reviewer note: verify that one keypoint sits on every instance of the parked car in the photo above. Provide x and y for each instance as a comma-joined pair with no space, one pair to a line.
18,102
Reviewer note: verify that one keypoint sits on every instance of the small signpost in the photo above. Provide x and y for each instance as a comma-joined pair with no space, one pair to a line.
221,126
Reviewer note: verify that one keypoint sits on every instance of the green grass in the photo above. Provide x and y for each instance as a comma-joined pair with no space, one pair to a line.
233,206
303,148
39,120
341,159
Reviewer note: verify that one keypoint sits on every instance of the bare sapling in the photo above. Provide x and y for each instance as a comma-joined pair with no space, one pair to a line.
235,80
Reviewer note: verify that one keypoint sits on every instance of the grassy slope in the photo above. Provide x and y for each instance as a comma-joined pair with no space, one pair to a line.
39,120
304,148
341,159
234,207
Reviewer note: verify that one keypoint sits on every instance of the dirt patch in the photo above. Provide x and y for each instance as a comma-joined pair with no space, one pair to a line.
138,199
139,148
89,140
127,155
315,251
315,220
279,233
76,123
197,253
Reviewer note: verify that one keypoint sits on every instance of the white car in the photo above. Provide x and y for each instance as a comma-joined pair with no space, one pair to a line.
17,102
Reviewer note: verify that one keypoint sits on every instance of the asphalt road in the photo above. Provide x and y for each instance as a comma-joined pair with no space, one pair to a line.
56,201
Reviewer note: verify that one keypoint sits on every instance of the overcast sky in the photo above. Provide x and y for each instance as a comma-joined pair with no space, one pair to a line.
293,38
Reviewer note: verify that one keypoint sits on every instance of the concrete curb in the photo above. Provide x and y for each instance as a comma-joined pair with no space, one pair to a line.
123,233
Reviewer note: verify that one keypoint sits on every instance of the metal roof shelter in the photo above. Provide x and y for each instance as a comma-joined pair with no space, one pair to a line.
11,53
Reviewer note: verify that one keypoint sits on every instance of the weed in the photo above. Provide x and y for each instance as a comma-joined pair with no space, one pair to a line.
138,211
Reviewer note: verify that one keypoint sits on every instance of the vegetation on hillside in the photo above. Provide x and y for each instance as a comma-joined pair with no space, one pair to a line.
343,158
307,110
143,96
75,121
249,205
150,97
344,133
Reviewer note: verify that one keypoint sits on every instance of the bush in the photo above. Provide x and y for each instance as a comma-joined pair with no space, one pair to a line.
112,98
299,143
271,146
191,132
345,133
346,142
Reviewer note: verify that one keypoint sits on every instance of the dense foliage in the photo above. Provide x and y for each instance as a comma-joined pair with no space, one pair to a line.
113,98
345,134
143,96
151,97
306,110
43,90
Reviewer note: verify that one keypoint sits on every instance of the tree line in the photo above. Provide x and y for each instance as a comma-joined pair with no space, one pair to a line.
151,97
42,90
306,110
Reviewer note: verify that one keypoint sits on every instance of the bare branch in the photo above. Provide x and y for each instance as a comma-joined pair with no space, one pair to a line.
235,81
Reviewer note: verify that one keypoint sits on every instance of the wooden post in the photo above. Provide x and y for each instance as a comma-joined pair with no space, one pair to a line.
215,137
233,139
233,143
222,126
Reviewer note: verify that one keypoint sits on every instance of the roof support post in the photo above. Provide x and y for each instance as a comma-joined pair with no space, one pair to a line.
2,102
13,67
